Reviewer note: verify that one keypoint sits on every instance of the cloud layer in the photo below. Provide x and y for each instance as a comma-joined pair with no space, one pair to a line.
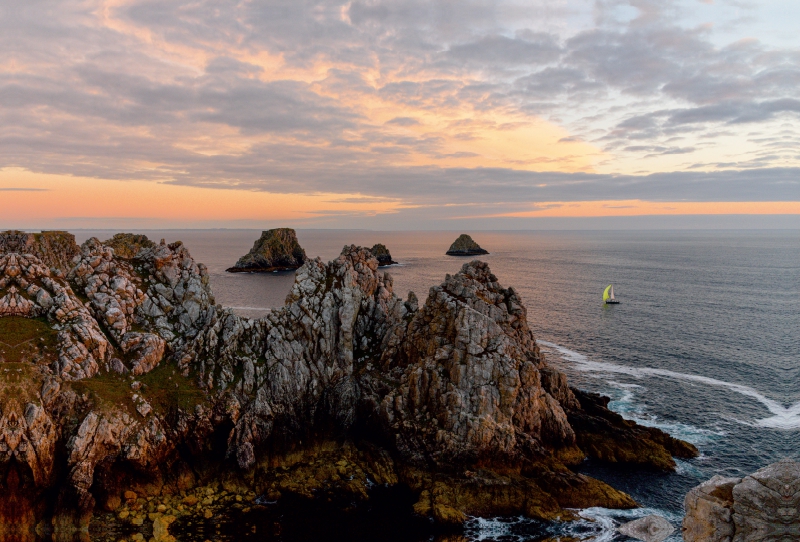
425,102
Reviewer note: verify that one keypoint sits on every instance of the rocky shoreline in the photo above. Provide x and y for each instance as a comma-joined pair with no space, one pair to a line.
137,391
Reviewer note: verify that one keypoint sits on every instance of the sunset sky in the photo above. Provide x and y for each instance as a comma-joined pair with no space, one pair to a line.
399,114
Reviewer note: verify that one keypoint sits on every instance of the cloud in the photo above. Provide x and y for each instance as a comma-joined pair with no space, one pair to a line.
310,96
22,189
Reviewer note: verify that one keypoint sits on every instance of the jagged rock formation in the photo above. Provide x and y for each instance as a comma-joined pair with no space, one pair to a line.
55,249
275,250
149,387
762,506
465,246
128,245
382,254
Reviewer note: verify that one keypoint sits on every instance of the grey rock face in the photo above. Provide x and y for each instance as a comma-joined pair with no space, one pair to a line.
471,386
275,250
760,507
650,528
465,246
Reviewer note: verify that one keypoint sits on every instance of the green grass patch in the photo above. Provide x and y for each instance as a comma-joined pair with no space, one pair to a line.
109,391
166,388
25,338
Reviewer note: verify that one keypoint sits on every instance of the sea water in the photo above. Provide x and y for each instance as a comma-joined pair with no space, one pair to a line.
704,344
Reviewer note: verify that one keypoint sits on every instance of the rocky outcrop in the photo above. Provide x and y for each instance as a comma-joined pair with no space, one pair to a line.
607,436
151,387
275,250
762,506
382,254
55,249
465,246
128,245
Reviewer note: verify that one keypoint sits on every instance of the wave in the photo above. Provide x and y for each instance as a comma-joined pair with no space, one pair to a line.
782,417
595,525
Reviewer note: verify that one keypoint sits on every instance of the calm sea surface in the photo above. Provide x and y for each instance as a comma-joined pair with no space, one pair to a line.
704,344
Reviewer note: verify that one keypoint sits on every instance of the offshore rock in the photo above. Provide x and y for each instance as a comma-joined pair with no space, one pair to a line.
465,246
650,528
127,382
382,254
275,250
762,506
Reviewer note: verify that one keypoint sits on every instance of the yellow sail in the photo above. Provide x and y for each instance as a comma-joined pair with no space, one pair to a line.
606,294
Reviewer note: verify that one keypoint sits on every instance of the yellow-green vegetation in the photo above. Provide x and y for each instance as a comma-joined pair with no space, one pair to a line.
19,381
165,387
108,391
24,339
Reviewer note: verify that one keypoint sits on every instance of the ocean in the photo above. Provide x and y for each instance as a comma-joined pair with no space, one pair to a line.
704,344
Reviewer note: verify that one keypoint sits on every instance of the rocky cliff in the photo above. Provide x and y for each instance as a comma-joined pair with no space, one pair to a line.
465,246
128,391
275,250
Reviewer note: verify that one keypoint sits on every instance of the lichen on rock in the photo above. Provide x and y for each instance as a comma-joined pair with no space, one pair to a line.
275,250
465,246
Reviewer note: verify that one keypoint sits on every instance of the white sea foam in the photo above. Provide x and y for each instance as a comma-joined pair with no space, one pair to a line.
596,525
782,417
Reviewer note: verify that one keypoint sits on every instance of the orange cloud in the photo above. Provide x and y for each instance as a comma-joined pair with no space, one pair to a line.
51,197
639,208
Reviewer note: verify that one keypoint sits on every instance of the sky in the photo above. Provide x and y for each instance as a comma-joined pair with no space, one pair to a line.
399,114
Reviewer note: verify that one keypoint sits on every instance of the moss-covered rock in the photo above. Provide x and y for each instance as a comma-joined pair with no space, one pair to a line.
128,245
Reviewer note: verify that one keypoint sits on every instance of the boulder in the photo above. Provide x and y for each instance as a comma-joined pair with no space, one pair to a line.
465,246
650,528
762,506
275,250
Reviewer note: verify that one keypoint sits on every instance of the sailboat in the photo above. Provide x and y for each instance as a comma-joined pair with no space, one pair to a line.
608,296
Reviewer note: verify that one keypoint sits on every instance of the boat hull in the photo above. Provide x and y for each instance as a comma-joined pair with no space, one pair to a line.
612,302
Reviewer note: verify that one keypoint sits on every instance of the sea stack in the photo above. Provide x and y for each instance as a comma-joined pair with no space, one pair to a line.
382,253
275,250
465,246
